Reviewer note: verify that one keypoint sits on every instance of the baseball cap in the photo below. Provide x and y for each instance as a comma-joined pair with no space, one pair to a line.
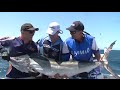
75,26
53,28
28,26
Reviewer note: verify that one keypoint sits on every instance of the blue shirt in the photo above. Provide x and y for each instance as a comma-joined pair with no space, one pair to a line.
80,51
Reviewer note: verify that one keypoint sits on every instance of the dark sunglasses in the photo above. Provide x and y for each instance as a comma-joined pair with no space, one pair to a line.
31,32
73,32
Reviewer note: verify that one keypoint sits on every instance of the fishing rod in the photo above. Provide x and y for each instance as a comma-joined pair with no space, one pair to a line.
86,32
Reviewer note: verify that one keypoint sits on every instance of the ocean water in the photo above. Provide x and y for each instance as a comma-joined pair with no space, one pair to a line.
113,58
114,61
3,68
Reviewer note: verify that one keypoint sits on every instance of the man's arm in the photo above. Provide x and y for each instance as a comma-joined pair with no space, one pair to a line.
5,41
97,56
96,50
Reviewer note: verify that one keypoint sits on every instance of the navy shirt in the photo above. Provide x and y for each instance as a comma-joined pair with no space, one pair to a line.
17,48
50,49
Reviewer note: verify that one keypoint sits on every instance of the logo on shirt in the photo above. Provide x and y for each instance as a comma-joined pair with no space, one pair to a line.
81,52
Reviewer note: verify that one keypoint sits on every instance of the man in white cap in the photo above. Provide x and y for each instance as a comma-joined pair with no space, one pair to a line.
52,44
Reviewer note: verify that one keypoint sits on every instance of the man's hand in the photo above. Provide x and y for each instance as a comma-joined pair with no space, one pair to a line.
58,76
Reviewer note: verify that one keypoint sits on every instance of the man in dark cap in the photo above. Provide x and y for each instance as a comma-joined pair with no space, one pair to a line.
20,46
81,46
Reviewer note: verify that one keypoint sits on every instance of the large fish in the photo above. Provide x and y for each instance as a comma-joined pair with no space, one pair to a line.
49,67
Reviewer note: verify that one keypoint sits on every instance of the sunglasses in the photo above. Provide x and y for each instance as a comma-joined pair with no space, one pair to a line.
73,32
31,32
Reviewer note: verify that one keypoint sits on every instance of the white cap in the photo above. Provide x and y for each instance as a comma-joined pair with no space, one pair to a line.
53,28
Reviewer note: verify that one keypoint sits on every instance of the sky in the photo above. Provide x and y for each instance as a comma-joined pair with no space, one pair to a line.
104,26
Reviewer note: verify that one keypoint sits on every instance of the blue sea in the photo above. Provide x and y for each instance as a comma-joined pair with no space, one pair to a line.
113,58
